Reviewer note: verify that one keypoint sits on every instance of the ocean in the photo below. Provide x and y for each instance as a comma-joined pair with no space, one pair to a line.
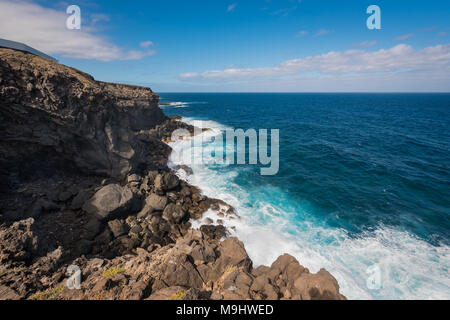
363,188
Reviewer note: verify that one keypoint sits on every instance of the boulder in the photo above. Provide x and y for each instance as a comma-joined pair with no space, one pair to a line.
166,181
174,213
118,227
232,254
92,228
146,210
185,168
214,232
319,286
134,178
112,201
156,202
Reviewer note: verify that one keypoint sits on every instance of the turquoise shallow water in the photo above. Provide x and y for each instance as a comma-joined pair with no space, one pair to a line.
364,182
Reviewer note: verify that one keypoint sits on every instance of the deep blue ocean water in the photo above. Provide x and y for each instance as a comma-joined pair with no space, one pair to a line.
364,181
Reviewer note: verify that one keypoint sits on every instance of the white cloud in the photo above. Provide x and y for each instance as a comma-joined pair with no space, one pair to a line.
45,29
365,44
398,59
98,17
146,44
323,32
301,33
404,37
231,7
188,75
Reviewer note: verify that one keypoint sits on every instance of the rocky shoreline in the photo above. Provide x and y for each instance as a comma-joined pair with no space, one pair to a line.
85,182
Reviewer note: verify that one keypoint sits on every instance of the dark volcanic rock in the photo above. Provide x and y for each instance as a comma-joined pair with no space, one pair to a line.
50,107
174,213
166,181
18,243
156,202
214,232
58,124
112,201
118,227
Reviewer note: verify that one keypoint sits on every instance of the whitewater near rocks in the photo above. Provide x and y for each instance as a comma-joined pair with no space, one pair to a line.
271,223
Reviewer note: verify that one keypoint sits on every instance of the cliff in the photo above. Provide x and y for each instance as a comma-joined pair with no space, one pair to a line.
84,182
48,108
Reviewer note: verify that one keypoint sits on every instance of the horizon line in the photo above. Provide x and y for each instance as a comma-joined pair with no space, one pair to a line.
313,92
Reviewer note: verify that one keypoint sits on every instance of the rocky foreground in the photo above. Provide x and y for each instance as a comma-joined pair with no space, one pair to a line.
84,182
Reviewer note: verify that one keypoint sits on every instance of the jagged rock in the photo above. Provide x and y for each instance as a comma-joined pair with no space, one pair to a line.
289,269
18,243
8,294
169,293
92,229
134,178
89,122
79,200
166,181
232,253
137,291
136,230
174,213
118,227
146,210
111,201
319,286
185,192
156,202
185,168
214,232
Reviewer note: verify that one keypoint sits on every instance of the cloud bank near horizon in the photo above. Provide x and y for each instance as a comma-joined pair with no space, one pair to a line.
431,61
45,29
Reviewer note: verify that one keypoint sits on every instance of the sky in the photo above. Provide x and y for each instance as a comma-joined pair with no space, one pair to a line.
244,46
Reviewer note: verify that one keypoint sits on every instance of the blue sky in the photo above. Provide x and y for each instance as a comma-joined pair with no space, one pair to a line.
259,45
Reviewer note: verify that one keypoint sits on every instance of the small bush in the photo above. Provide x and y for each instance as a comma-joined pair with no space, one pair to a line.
48,294
113,271
230,269
178,296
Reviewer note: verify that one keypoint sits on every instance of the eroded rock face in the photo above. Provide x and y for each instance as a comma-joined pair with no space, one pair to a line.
18,243
197,267
58,125
48,107
156,202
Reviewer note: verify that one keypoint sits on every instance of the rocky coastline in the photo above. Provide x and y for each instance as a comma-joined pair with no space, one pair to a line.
84,182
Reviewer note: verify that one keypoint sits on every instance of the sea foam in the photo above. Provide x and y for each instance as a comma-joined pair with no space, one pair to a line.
271,224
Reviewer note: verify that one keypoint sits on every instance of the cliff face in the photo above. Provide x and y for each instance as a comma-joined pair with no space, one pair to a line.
56,112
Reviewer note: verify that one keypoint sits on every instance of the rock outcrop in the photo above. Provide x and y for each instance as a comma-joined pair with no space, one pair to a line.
59,126
84,182
196,267
50,108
